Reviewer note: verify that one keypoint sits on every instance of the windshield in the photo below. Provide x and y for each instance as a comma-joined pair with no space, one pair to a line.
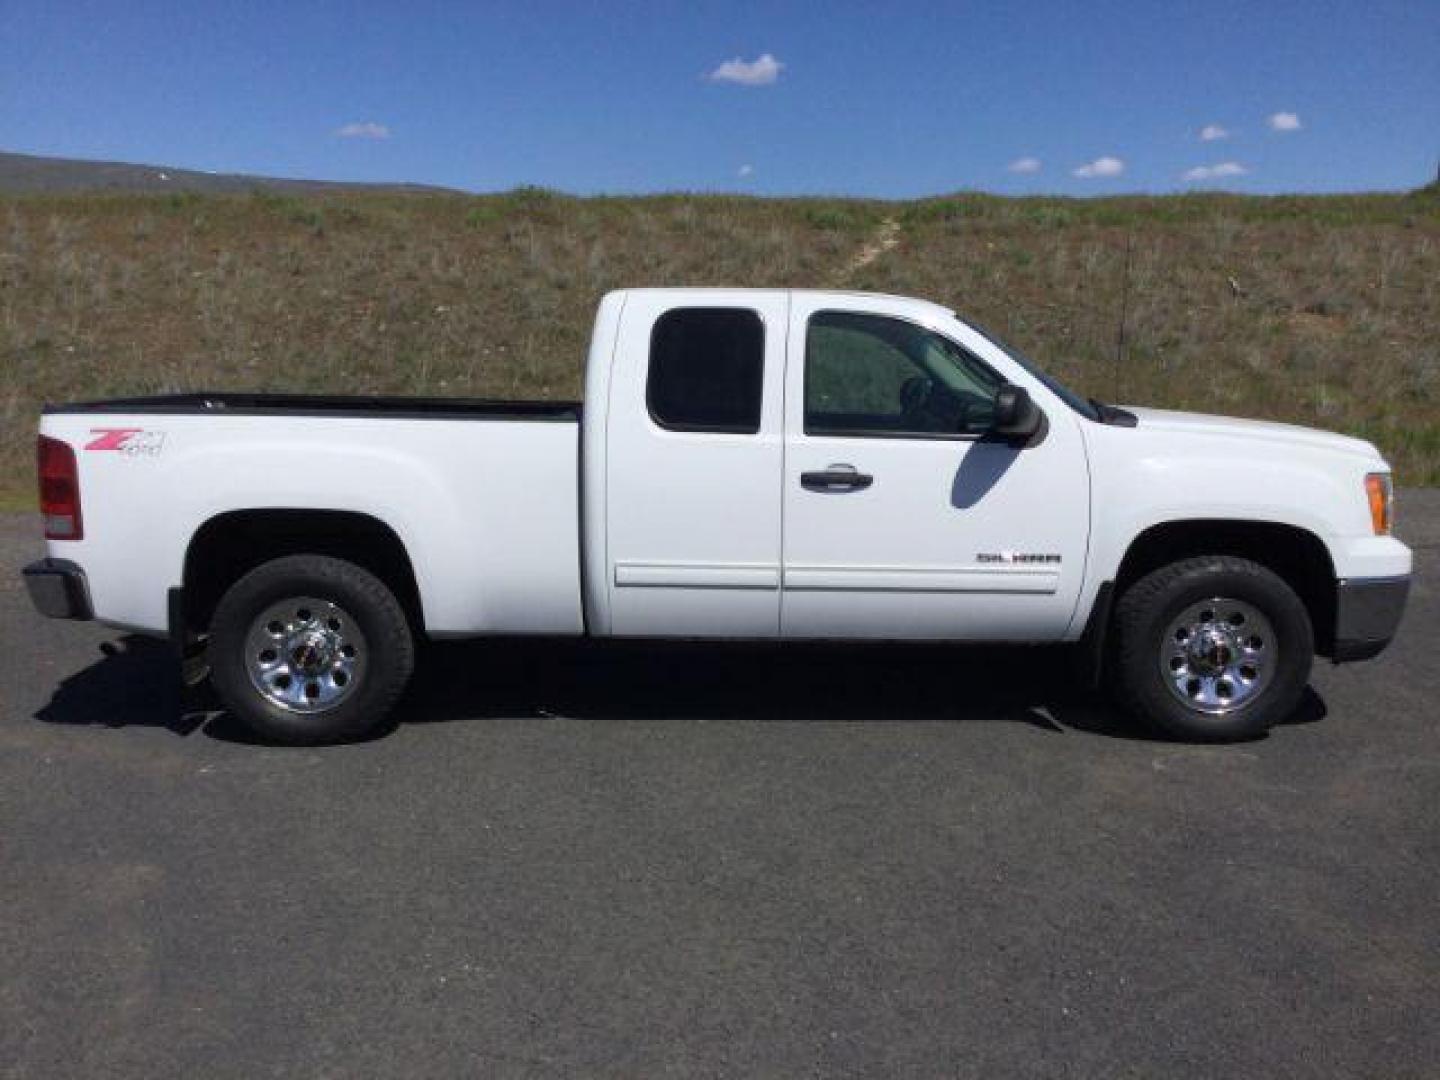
1080,404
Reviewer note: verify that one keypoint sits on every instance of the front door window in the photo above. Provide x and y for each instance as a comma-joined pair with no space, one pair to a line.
870,375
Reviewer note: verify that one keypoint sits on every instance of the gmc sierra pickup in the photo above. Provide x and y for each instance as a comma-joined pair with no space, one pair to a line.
749,464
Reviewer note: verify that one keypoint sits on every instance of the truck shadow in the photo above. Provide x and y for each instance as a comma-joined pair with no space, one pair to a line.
1039,686
136,684
752,682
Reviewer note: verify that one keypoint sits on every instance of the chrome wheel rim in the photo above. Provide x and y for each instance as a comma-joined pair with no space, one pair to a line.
305,655
1218,655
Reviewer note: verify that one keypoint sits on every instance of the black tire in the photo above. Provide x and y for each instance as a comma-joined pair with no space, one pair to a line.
389,653
1146,611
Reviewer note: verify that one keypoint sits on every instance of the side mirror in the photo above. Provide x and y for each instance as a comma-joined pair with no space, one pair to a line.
1016,415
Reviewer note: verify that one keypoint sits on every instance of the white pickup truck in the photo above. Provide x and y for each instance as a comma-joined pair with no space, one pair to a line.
749,464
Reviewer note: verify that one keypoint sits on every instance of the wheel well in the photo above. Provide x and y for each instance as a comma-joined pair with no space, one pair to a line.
1298,556
230,545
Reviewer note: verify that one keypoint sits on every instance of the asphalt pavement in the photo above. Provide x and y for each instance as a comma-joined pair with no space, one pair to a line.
641,862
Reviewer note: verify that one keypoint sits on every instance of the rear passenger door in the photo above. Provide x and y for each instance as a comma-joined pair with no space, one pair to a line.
693,465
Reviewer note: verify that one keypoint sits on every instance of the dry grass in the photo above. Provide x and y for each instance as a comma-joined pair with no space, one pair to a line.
1336,320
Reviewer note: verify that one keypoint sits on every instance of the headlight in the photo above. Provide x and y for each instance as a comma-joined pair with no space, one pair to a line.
1381,492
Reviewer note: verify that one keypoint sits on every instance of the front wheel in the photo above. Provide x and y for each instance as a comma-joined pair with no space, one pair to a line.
309,649
1212,649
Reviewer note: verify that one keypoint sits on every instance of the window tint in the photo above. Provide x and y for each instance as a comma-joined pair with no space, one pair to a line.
706,367
873,375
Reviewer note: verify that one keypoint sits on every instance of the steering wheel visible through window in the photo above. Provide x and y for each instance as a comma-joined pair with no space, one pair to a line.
872,375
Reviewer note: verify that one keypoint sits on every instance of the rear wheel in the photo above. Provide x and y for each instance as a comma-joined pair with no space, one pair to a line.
310,649
1212,649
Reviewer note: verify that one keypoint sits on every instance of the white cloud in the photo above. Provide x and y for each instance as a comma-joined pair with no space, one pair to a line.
367,130
1211,132
1024,165
1104,166
744,171
1284,121
1216,172
759,72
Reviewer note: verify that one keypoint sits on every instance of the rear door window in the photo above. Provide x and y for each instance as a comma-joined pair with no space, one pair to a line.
707,367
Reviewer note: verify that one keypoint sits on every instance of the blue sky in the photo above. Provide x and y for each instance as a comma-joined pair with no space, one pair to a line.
881,99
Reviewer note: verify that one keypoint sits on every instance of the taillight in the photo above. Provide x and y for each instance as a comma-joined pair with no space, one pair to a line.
59,489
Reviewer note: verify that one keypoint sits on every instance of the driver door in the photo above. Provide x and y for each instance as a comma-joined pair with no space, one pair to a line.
902,518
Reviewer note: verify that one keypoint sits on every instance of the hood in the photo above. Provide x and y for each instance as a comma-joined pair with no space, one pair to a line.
1185,423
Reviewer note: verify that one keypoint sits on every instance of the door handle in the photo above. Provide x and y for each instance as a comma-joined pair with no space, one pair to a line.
836,478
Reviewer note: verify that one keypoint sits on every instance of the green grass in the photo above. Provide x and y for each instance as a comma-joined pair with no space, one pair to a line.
1317,310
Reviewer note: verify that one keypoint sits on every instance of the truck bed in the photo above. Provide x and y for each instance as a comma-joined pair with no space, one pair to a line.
482,495
390,408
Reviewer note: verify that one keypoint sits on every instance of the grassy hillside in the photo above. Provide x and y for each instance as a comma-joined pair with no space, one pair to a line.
1321,310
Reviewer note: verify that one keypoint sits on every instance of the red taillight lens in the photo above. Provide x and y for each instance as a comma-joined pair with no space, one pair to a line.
59,490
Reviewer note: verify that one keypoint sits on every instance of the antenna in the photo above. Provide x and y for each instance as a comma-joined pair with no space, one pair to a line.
1124,305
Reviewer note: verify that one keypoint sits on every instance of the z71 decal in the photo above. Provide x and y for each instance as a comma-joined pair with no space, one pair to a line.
132,442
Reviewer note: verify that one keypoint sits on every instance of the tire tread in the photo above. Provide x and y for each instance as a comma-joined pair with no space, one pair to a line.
388,632
1142,604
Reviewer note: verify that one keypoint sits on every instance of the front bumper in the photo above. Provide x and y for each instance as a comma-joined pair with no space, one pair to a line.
58,589
1367,613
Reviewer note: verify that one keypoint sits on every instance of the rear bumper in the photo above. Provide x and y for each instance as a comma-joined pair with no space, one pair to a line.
58,589
1367,613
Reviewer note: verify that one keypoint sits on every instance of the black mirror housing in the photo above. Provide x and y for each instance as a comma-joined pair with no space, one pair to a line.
1016,414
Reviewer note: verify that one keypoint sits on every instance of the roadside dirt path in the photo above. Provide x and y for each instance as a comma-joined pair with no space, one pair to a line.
885,238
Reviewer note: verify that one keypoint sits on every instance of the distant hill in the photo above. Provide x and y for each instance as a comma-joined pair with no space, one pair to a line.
27,174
